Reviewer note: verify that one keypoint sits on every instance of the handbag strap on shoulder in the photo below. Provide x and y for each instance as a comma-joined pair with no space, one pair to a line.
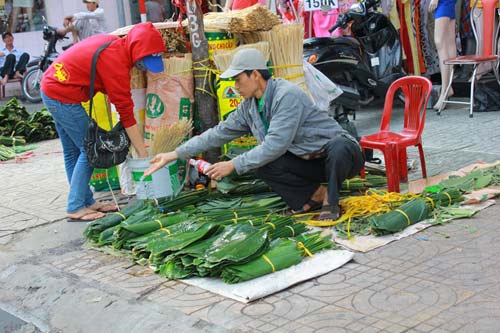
92,74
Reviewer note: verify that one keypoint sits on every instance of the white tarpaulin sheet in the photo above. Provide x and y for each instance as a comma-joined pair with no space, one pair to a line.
370,242
322,263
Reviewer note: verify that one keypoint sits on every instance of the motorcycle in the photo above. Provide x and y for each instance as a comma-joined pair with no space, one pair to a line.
32,78
363,66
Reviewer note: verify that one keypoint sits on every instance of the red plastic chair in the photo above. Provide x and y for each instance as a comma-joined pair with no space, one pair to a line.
416,90
489,44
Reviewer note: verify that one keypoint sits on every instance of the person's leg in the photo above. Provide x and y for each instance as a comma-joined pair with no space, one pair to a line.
8,68
344,160
21,65
296,180
444,38
71,124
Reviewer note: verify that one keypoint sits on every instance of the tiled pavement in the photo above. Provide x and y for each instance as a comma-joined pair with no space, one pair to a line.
443,279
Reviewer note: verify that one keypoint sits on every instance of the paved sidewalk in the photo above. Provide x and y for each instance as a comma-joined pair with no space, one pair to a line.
443,279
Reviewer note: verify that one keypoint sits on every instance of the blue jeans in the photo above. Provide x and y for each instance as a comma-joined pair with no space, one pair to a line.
71,123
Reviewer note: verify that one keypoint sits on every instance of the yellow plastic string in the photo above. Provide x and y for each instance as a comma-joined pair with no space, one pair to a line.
301,246
235,219
294,76
272,225
431,201
159,222
293,231
373,202
269,262
449,197
285,66
168,231
404,214
120,215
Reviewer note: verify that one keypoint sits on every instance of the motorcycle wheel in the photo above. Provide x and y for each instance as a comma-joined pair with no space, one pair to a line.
31,85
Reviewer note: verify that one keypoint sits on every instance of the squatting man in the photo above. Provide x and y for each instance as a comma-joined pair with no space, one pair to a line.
300,147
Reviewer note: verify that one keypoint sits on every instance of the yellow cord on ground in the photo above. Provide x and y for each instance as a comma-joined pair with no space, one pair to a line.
373,202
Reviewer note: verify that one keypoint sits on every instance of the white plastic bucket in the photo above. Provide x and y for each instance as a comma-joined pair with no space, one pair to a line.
162,183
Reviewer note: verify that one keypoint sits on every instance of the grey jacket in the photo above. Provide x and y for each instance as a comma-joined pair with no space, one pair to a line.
295,125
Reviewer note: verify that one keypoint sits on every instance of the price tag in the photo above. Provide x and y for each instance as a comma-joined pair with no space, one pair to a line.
375,61
313,5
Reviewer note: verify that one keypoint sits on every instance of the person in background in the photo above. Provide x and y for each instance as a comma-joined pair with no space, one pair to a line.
444,38
13,61
300,147
154,11
65,85
85,24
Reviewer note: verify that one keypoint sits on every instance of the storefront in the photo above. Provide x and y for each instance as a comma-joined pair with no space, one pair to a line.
24,18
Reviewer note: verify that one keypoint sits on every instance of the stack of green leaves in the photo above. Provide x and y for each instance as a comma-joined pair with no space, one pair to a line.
161,247
282,253
358,184
126,231
235,244
15,120
108,236
94,229
398,219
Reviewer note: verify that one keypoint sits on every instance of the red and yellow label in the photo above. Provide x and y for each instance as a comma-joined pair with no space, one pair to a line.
61,74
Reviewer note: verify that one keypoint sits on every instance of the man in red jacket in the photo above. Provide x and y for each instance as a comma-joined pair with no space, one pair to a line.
65,85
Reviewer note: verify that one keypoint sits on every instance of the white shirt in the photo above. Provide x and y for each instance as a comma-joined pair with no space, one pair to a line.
90,23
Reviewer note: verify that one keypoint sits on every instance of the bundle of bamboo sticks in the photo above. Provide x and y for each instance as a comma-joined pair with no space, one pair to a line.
286,43
168,137
256,17
223,58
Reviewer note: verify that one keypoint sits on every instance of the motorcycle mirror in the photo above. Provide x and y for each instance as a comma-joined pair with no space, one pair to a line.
356,8
325,8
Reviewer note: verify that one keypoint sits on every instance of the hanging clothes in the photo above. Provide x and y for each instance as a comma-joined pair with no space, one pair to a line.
427,39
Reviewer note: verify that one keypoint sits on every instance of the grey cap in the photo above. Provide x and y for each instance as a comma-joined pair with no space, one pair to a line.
243,60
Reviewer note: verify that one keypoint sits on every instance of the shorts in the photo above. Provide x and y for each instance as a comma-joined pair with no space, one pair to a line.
445,8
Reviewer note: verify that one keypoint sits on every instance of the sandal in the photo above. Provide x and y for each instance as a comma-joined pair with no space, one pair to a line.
329,213
313,205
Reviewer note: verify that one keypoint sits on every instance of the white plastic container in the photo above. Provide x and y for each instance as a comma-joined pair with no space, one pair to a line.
162,183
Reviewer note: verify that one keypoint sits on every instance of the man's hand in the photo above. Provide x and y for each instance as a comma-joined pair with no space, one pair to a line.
2,54
219,170
159,161
432,5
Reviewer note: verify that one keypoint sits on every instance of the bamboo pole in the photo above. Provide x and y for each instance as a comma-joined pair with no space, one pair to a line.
205,103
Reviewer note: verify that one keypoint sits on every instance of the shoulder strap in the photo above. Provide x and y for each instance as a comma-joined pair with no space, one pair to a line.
92,73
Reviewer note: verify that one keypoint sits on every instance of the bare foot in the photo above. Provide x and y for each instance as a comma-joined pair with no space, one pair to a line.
4,80
85,214
18,75
104,207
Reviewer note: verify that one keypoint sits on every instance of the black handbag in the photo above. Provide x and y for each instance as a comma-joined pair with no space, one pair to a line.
103,148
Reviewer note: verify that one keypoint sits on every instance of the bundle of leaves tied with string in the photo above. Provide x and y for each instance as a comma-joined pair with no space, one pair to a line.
236,243
95,228
411,212
282,253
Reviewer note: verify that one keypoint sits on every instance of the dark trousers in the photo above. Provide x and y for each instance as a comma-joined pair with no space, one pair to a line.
10,66
296,179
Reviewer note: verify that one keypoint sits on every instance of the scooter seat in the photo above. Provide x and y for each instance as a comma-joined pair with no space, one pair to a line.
328,41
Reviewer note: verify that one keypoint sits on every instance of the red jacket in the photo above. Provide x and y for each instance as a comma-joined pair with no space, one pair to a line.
67,79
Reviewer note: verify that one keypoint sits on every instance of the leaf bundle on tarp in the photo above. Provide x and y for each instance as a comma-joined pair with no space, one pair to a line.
396,220
282,253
